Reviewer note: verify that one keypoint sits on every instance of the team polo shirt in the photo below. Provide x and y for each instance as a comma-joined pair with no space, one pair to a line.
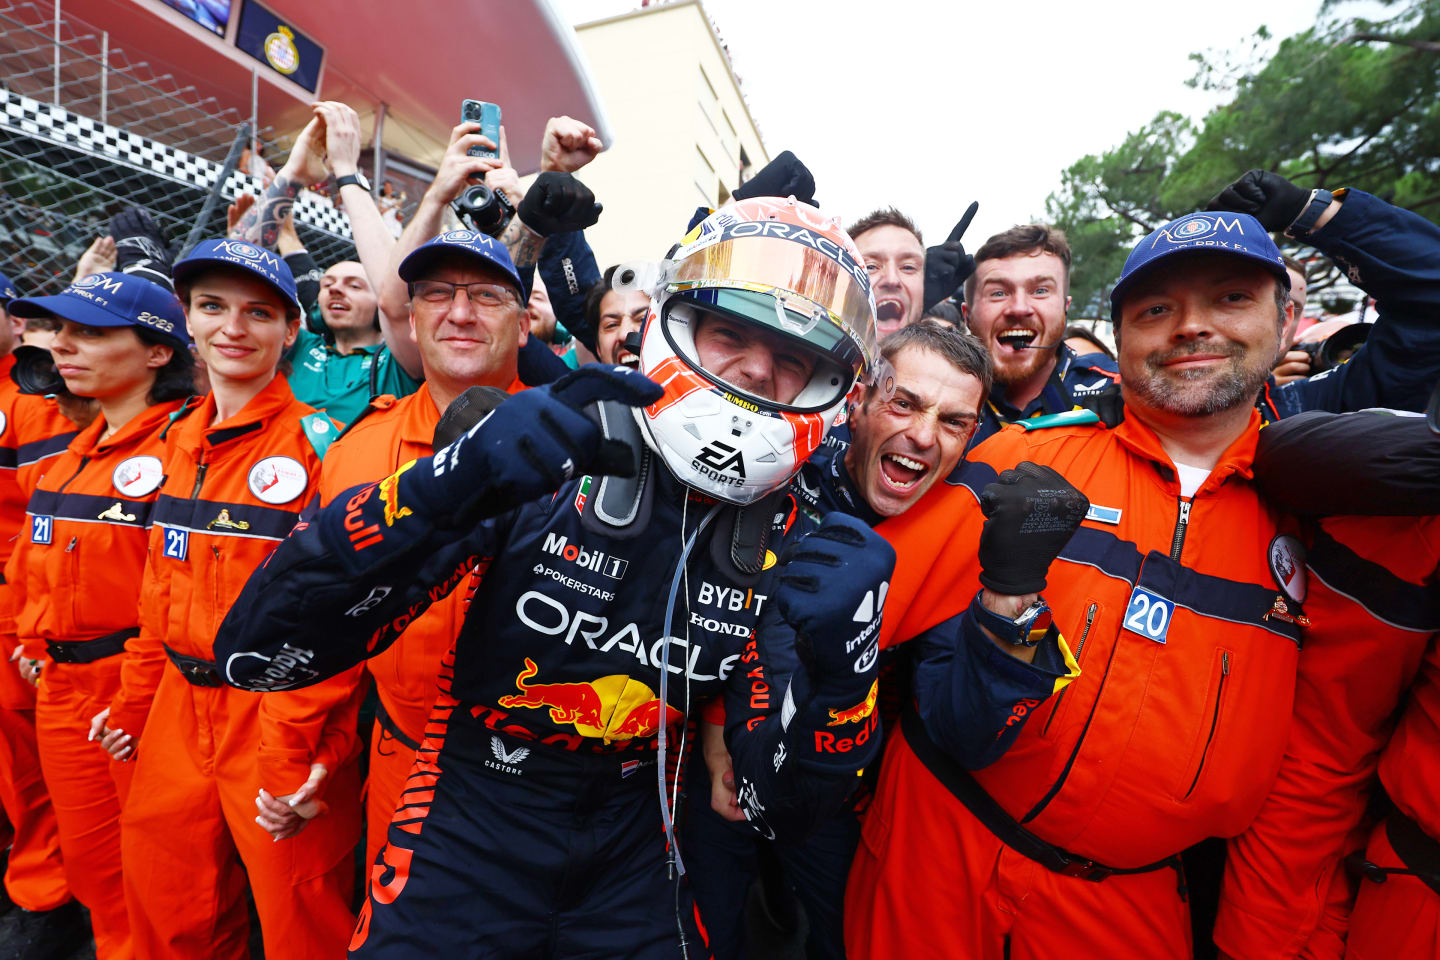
340,384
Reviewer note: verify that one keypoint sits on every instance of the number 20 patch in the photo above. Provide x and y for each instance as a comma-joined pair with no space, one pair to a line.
1149,615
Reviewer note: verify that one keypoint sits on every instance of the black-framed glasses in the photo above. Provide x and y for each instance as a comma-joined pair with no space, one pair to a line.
482,295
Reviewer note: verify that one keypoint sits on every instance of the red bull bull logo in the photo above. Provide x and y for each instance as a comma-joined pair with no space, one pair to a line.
390,496
858,712
609,708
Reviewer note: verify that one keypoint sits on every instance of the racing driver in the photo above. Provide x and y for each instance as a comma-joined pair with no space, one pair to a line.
643,556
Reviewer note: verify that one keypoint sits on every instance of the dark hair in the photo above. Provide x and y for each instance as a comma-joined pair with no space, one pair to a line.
1292,264
589,334
884,217
1030,238
960,348
47,322
945,312
175,380
1084,333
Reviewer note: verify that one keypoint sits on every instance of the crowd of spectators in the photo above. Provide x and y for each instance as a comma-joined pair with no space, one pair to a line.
1150,681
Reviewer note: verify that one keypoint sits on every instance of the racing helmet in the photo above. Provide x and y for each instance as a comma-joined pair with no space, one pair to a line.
769,278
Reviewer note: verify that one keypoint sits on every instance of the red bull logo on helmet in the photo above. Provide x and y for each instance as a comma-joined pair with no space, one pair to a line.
609,708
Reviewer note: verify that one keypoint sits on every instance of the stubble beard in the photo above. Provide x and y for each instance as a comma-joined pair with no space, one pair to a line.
1179,393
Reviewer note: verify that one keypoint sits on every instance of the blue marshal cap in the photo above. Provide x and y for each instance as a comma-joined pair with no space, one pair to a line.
7,290
111,300
1213,231
265,264
478,246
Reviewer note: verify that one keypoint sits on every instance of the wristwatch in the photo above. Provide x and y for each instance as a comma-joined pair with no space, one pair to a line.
356,178
1026,630
1319,202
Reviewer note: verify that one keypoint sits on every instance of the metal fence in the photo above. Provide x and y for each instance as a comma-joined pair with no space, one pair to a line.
62,180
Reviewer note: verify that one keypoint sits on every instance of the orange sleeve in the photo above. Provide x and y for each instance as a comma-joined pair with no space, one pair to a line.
144,657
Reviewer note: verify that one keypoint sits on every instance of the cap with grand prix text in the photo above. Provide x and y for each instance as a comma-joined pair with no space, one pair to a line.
479,246
1238,234
111,300
265,264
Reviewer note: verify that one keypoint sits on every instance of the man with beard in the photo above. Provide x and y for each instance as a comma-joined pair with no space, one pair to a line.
1061,831
1015,302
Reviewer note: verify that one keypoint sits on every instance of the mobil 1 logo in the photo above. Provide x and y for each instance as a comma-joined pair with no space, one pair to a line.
558,545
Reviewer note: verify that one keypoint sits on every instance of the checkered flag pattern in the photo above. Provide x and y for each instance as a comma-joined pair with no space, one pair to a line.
75,152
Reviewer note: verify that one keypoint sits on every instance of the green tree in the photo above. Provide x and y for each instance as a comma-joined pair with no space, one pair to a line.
1351,101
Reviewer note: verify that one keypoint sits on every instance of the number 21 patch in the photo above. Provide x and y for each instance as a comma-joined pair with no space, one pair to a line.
1149,614
41,528
177,543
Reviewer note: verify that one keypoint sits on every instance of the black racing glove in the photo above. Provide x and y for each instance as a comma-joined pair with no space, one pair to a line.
832,586
785,176
1031,512
140,247
528,447
1266,196
558,203
948,265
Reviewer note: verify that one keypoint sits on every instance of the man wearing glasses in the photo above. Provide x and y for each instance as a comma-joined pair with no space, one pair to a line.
468,317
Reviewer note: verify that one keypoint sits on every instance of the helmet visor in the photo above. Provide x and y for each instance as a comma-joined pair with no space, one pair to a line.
824,304
756,362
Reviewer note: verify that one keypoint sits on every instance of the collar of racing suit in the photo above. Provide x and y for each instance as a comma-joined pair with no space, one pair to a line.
197,434
88,442
1238,458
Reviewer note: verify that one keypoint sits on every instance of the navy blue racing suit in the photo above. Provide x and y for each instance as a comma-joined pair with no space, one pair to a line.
1394,256
725,857
1090,380
531,826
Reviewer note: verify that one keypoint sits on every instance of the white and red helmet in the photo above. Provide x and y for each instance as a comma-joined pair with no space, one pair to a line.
777,265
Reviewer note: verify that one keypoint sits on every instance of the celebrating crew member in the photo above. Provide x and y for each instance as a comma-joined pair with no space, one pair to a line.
121,342
528,824
1061,834
902,439
1015,302
239,464
33,433
469,320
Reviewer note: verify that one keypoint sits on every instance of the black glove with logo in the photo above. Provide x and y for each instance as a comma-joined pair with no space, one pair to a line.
1266,196
528,447
948,265
558,203
1031,512
832,586
140,247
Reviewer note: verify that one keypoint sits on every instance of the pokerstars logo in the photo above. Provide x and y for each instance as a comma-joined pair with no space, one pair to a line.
597,560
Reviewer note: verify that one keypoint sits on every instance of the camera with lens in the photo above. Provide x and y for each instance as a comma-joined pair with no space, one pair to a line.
484,208
34,373
1334,349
